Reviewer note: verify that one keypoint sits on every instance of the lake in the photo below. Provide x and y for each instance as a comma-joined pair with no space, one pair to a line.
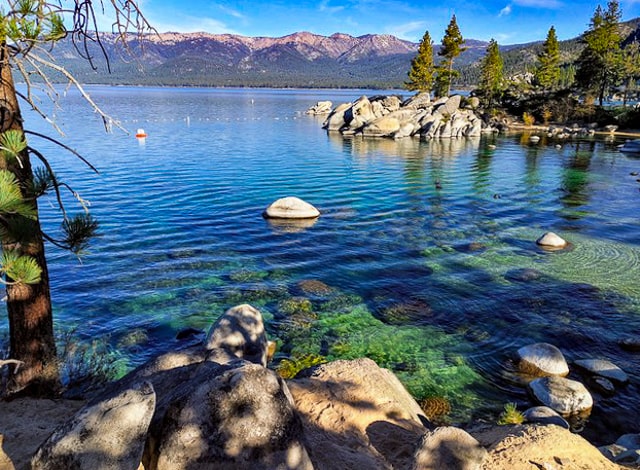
424,257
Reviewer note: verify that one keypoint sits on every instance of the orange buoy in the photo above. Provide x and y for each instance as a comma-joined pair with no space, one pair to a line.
141,134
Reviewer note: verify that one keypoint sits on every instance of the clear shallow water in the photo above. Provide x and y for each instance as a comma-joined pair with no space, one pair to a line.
422,244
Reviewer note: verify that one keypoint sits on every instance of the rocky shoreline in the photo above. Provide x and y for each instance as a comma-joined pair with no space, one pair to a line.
217,405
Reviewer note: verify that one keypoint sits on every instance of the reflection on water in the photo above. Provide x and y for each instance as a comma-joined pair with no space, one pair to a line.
424,257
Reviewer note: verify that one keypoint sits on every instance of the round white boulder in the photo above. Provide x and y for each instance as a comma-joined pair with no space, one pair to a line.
542,359
291,208
567,397
551,240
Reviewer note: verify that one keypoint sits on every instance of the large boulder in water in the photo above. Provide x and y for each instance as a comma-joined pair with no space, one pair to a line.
542,359
291,208
107,435
567,397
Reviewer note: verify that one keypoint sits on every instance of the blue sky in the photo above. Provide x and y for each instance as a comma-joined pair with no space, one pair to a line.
507,21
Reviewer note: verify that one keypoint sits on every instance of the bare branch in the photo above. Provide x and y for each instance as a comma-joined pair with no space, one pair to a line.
66,147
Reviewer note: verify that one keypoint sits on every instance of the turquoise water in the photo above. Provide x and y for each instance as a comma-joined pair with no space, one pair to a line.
419,250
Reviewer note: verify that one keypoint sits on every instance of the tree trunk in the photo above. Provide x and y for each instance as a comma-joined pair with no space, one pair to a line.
29,305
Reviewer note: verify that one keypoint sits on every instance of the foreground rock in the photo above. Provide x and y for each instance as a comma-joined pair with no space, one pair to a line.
291,208
625,451
565,396
357,415
545,415
528,447
240,419
449,448
109,434
542,359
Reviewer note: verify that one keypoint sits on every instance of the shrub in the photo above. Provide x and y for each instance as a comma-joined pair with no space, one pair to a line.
528,119
510,415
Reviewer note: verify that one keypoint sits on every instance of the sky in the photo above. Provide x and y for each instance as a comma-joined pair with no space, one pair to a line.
506,21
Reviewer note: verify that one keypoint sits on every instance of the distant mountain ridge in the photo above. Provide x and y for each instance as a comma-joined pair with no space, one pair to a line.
300,59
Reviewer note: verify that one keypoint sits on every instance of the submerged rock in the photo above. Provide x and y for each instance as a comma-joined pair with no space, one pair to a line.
603,368
291,208
542,359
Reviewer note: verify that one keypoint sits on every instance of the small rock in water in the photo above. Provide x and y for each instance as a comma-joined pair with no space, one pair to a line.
189,333
545,415
602,386
542,359
603,368
291,208
551,240
523,275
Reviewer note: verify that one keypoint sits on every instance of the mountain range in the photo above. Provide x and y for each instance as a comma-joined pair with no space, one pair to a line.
298,60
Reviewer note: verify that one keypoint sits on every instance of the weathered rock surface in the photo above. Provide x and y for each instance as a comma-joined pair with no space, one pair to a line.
240,332
551,240
291,208
357,415
240,419
528,447
603,368
109,434
386,116
321,107
567,397
450,448
625,451
542,359
545,415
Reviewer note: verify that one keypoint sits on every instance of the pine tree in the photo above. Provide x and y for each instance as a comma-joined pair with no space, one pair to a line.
547,74
28,29
630,68
491,75
599,64
452,43
421,72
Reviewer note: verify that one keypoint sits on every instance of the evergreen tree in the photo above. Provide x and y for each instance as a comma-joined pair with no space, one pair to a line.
28,28
547,74
421,72
491,75
599,63
452,47
630,68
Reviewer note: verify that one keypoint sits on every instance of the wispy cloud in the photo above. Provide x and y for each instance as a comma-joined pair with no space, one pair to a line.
193,24
232,12
325,7
409,30
505,11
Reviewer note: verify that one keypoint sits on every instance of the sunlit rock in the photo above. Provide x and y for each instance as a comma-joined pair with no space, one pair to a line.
544,415
567,397
240,332
291,208
109,434
542,359
551,240
321,107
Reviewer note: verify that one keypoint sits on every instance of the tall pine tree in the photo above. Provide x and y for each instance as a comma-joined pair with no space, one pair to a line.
421,73
491,76
452,47
599,64
547,74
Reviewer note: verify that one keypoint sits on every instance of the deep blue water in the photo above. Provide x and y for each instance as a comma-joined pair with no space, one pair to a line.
422,243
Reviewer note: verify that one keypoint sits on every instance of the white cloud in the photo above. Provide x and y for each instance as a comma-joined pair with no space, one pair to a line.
232,12
505,11
408,31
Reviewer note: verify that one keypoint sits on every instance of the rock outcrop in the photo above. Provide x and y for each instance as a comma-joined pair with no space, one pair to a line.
386,116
